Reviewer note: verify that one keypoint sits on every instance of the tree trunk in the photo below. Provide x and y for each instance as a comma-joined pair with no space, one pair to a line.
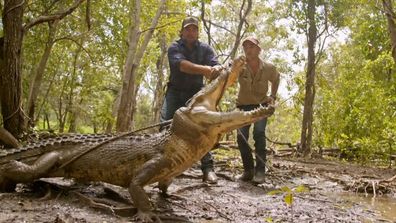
133,104
64,102
124,118
10,78
306,131
46,120
61,116
134,56
390,16
39,73
73,117
71,110
45,97
114,110
159,88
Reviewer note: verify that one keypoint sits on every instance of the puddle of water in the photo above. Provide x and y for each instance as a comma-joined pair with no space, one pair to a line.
385,205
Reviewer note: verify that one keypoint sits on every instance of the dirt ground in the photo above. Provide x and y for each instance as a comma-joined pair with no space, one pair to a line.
321,191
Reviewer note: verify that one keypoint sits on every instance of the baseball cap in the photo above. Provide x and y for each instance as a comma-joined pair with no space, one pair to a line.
189,21
252,40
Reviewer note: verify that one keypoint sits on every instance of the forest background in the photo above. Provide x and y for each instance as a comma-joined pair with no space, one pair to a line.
101,66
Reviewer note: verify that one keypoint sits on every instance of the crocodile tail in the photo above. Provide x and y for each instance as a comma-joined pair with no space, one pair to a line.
8,139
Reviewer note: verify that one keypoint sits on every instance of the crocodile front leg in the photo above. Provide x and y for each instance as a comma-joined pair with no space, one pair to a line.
144,176
163,185
19,172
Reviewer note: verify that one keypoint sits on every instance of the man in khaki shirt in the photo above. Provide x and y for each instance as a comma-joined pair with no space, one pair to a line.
254,91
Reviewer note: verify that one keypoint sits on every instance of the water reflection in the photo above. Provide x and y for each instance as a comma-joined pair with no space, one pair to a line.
385,205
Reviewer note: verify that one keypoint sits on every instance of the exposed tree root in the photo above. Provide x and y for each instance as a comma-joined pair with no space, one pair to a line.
390,179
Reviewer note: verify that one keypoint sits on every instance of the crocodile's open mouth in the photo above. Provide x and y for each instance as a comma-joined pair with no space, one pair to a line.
201,111
210,96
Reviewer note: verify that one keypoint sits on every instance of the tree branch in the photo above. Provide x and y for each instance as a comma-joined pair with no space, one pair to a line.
53,3
77,43
58,15
243,13
159,27
207,27
222,27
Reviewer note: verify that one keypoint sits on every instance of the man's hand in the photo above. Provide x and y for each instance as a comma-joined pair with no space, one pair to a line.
215,72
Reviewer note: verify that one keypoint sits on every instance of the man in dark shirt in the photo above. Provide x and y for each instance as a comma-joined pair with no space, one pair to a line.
190,60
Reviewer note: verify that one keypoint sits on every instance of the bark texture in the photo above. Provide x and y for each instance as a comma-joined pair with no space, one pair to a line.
10,78
306,131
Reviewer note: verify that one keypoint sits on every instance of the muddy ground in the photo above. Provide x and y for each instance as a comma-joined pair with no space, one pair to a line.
320,190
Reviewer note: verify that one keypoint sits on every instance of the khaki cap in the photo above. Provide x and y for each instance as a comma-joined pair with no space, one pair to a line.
252,40
189,21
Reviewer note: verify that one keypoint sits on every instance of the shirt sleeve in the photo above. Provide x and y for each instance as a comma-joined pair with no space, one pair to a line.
175,56
275,75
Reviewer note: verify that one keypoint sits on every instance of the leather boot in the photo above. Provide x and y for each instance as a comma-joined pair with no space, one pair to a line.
209,177
247,175
259,177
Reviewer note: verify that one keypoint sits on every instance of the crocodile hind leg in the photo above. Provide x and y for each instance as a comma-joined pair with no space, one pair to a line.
19,172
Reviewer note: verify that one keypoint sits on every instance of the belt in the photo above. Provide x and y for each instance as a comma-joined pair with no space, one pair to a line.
183,89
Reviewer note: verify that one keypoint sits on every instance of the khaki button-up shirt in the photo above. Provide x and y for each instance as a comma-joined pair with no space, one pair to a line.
253,89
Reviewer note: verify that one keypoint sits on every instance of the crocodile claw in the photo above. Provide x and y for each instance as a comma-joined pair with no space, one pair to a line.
147,216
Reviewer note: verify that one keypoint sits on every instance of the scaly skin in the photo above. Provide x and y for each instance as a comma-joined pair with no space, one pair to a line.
135,161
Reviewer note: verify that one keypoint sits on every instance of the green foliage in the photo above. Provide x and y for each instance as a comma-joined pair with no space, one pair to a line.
356,110
83,74
230,157
355,98
328,13
370,33
288,194
284,125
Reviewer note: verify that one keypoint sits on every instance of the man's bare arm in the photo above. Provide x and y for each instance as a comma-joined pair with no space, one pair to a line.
274,86
192,68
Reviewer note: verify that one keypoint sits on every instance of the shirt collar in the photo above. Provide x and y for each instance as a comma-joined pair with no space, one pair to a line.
261,64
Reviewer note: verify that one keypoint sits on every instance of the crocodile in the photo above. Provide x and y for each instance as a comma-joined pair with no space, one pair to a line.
134,161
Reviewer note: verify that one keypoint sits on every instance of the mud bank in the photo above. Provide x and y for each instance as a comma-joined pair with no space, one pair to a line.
316,189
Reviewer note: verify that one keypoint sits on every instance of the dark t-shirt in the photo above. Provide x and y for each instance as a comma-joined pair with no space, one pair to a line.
201,54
